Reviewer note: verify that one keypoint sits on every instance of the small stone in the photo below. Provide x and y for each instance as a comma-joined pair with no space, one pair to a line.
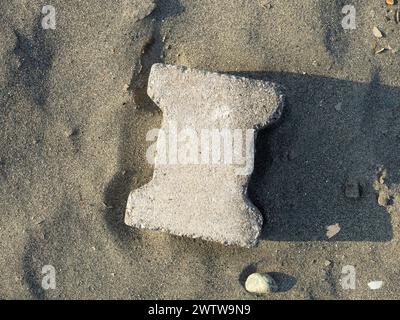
352,189
260,283
380,50
72,132
382,174
375,285
382,199
377,33
327,263
266,4
332,230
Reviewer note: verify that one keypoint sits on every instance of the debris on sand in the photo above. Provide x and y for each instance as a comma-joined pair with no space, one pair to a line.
327,263
332,230
382,174
266,4
382,198
377,33
380,50
375,285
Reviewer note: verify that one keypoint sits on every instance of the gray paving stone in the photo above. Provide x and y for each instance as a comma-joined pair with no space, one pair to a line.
192,193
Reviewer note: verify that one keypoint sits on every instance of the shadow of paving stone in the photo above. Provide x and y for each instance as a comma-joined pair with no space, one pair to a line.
303,164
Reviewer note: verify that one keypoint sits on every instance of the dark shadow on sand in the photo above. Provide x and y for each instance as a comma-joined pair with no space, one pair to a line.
331,131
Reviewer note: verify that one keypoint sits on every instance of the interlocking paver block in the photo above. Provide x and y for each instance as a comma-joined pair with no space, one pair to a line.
197,198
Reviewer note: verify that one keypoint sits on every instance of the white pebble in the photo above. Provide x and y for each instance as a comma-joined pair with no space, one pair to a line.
375,285
377,33
260,283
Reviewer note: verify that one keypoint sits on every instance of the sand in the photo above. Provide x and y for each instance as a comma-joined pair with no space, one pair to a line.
74,116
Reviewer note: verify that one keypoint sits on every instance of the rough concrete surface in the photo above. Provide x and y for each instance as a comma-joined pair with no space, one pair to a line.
193,192
74,114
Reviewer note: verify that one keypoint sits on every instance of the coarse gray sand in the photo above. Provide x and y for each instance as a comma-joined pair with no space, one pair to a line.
74,116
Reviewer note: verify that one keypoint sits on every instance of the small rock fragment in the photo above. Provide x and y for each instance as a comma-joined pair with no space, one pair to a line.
382,199
380,50
260,283
327,263
375,285
72,132
390,2
332,230
382,175
266,4
377,33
